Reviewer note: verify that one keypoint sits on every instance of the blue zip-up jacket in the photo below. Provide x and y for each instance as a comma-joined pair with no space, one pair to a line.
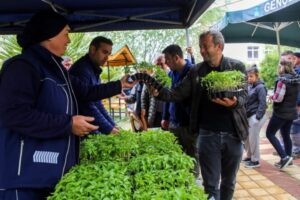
37,101
89,73
178,113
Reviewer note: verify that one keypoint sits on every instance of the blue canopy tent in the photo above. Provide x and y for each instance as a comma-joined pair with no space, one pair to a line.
272,22
112,15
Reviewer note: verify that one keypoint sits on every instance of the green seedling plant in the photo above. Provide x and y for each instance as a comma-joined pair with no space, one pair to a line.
159,74
105,180
130,166
223,81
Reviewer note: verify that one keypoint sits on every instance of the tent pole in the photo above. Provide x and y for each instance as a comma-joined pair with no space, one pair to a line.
188,44
109,99
277,38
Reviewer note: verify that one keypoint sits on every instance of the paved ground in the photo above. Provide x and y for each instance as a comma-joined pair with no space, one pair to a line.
267,182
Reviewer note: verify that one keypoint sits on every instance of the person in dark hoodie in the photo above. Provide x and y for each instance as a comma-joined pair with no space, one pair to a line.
88,70
256,106
39,122
284,112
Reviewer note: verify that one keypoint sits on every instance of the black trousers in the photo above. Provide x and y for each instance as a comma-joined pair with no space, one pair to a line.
220,154
188,142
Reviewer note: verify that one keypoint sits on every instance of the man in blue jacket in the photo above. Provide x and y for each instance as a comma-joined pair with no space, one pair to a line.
39,122
176,114
88,70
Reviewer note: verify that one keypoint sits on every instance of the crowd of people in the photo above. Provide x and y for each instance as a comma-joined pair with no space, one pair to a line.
47,107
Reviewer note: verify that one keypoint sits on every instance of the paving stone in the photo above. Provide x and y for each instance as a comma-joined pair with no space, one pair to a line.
285,197
275,190
265,198
249,184
248,171
257,177
243,178
257,192
238,186
265,183
296,176
241,193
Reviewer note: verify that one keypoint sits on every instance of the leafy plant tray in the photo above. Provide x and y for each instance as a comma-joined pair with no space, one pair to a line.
226,94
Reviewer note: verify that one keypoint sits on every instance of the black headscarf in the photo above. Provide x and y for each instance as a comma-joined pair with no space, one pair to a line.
42,26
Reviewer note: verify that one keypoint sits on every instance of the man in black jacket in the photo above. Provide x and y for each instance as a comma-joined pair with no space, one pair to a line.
221,124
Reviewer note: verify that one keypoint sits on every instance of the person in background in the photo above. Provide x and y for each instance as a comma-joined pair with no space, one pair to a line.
288,56
67,62
39,122
190,52
161,61
152,109
284,112
256,108
88,70
220,124
285,56
295,129
176,115
134,106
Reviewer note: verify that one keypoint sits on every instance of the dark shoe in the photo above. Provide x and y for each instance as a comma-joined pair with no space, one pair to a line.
277,164
252,164
245,160
285,162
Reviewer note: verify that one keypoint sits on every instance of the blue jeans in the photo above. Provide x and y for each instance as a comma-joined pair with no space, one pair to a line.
220,154
284,125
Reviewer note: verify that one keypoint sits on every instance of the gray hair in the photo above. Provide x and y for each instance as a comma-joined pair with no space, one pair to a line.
216,36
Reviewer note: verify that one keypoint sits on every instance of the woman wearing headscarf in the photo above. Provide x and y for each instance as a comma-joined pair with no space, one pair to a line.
39,124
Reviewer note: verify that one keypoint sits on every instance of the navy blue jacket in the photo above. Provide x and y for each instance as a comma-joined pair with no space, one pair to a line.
256,99
89,73
178,112
37,101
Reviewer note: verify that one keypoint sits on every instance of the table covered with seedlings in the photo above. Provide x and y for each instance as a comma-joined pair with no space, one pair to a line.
141,166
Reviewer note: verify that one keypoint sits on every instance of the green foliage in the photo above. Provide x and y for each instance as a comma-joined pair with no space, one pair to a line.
159,74
9,47
179,193
223,81
115,73
105,180
148,162
141,166
268,69
127,145
78,46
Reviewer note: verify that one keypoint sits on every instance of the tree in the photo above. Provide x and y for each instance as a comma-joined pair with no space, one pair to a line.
269,69
77,47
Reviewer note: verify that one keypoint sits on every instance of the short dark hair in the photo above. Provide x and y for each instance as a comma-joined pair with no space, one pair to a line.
96,42
173,50
288,52
253,69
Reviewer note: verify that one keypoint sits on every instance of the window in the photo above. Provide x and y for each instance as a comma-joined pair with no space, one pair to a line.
268,50
252,52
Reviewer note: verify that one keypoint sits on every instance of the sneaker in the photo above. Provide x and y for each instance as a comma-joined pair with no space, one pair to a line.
284,162
252,164
277,164
245,160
